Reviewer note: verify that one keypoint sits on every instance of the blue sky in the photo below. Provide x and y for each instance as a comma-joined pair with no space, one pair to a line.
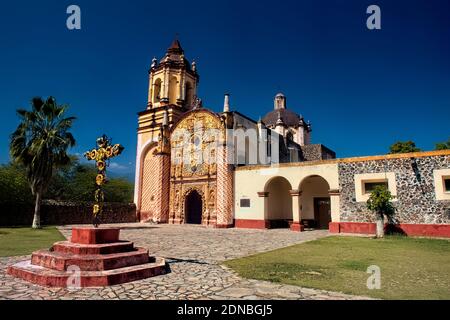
362,90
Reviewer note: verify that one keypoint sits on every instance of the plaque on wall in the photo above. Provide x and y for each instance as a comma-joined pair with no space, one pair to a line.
245,203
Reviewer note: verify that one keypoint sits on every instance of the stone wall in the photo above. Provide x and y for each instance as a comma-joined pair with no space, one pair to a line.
416,199
312,152
62,213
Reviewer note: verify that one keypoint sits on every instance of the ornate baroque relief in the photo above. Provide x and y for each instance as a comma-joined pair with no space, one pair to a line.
194,143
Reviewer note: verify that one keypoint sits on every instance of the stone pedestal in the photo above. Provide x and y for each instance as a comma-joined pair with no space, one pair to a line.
94,257
95,235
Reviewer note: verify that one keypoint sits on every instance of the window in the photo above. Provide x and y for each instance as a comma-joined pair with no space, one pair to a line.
442,184
197,141
173,90
157,91
245,203
369,186
365,183
189,95
290,136
447,184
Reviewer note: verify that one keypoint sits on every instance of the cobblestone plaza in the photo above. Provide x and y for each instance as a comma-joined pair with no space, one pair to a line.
194,254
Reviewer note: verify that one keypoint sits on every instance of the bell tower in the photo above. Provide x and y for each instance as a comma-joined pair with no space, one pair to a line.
173,82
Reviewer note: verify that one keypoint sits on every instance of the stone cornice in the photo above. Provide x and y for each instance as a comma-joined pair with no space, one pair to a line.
168,107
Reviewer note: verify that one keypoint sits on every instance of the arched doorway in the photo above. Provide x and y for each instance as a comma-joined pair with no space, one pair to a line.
315,202
279,211
193,208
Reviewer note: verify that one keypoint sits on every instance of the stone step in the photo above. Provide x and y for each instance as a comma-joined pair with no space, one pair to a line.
106,248
93,262
54,278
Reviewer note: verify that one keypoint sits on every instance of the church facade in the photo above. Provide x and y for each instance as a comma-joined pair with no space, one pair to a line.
224,169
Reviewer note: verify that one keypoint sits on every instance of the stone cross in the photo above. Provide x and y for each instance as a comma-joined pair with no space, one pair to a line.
101,155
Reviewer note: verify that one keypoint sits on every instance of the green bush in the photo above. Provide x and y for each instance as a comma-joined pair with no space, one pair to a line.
14,188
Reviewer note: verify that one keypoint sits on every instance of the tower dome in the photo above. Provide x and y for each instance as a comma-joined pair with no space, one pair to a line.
172,81
289,117
284,121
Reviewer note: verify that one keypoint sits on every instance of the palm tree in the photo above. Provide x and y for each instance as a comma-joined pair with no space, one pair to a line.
40,143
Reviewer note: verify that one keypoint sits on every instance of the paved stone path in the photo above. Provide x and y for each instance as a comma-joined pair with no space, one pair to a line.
194,254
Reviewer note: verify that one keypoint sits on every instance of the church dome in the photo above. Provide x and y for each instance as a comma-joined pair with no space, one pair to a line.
281,113
290,118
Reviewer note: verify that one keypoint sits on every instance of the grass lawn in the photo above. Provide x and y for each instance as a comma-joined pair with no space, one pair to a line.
23,241
411,268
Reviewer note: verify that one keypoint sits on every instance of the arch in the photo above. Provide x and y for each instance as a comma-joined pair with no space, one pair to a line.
173,85
279,202
189,94
193,207
142,153
157,91
195,115
289,136
315,201
147,191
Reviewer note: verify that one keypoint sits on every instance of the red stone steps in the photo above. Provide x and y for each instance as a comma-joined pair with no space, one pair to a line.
54,278
106,248
94,257
94,262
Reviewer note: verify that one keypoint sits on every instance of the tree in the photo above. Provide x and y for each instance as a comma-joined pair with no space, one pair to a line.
403,147
119,190
14,189
61,183
380,203
82,183
76,182
443,145
40,144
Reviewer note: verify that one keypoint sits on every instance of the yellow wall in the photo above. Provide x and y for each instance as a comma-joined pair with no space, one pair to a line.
249,181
